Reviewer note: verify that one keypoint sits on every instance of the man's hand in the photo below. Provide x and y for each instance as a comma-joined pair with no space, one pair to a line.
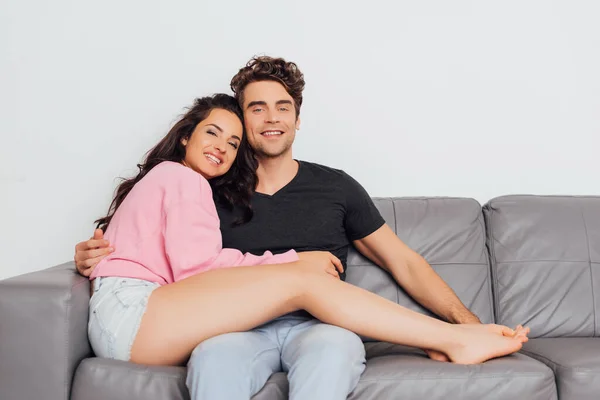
89,253
322,260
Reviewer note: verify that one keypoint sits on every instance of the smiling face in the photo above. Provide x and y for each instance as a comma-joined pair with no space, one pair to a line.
270,118
212,147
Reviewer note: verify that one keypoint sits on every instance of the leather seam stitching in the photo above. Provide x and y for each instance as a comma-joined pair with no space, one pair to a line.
396,233
155,375
493,261
538,261
587,238
488,263
411,378
66,336
564,368
68,379
430,263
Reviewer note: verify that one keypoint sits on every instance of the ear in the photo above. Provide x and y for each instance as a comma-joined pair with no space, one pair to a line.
298,123
184,142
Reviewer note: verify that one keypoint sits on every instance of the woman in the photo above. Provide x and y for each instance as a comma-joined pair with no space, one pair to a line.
167,287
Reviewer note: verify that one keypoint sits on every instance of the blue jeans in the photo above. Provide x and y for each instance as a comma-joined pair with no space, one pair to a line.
322,361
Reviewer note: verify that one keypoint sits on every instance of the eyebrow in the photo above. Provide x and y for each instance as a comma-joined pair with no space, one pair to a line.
264,103
216,126
221,130
257,103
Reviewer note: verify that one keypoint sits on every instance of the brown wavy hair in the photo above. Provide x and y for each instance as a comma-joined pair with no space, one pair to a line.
264,68
233,189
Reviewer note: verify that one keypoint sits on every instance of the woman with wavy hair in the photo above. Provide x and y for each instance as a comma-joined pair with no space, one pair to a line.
169,284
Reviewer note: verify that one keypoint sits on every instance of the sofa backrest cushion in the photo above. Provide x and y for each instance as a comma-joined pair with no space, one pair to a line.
450,234
545,254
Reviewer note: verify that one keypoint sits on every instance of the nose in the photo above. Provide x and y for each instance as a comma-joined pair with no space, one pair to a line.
271,117
220,145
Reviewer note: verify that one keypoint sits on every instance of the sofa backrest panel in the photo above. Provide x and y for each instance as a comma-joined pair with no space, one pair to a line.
450,234
545,254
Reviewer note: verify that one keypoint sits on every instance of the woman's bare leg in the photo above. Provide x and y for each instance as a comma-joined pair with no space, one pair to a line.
181,315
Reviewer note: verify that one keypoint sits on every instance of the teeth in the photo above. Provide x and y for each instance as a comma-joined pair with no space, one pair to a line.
213,158
272,133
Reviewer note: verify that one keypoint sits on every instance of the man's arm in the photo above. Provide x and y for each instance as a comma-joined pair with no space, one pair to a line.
90,252
414,275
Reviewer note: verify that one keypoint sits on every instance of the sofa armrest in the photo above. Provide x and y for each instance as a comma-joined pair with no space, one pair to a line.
43,332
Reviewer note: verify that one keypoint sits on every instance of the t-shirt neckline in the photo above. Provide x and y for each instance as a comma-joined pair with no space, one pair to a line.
286,186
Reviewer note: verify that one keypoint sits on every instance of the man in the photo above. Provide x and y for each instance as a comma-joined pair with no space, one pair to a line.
302,206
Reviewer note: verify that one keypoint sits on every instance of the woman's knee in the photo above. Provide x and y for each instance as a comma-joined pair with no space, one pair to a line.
306,284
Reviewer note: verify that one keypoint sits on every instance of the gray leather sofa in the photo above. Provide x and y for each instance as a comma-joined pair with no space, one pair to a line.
518,259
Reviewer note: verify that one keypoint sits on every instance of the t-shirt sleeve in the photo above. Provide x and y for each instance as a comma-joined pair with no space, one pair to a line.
193,242
362,217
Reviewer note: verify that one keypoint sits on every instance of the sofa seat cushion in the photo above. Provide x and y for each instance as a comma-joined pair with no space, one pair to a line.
575,362
104,379
398,372
392,372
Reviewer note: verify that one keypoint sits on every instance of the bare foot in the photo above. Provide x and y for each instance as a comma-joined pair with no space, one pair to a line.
518,332
501,330
479,345
436,355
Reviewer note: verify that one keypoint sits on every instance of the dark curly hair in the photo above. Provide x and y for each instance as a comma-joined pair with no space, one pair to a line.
232,189
264,68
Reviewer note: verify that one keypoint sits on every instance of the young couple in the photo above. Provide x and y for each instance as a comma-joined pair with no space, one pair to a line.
208,256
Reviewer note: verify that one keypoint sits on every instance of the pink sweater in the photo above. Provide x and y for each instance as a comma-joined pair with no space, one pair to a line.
167,229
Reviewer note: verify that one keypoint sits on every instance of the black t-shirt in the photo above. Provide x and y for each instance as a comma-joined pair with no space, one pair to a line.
320,209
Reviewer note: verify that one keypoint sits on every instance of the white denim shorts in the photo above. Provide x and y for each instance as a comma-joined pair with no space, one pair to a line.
116,310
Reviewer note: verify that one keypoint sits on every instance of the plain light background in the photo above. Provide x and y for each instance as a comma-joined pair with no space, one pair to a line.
412,98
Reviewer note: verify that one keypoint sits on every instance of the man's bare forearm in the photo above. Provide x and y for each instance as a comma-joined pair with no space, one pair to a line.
415,275
430,290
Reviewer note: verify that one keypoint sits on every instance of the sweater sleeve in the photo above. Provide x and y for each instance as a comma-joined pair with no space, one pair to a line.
193,241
